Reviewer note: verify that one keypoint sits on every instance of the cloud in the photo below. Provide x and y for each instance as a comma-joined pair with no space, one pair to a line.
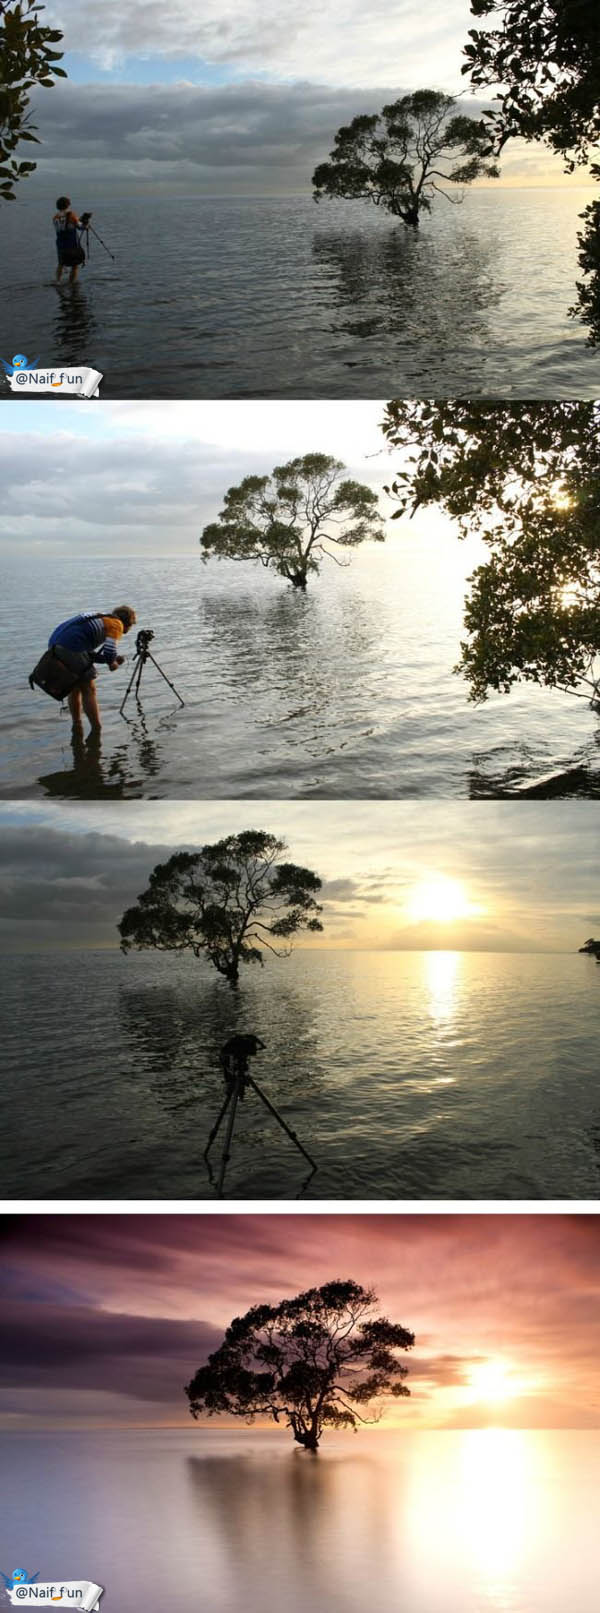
532,867
344,43
53,885
246,138
141,1358
146,482
127,1305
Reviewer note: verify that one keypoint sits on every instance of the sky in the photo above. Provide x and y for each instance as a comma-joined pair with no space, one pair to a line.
136,478
236,96
502,876
105,1318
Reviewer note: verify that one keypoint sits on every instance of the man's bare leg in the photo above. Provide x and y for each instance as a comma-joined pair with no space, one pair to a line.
74,274
75,710
90,706
59,272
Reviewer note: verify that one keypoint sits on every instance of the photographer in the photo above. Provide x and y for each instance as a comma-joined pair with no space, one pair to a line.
94,637
68,229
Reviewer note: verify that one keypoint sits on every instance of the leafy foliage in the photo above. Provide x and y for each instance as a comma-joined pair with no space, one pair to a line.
400,157
225,902
592,947
526,477
587,306
27,58
289,520
311,1361
545,56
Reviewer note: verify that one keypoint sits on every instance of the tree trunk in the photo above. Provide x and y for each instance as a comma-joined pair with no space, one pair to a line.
298,579
307,1438
410,216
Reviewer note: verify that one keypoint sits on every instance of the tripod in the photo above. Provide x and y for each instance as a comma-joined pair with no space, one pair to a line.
142,655
89,229
238,1078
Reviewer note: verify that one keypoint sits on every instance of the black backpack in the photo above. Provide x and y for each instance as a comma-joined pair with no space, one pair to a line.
59,670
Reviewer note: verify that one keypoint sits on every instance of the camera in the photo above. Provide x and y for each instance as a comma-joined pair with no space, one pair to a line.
85,218
143,639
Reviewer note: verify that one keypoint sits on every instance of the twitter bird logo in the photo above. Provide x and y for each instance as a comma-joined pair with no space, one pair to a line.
19,362
18,1577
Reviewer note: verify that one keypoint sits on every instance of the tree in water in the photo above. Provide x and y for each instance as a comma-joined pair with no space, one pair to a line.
290,519
592,947
225,902
401,157
26,60
321,1360
545,58
526,478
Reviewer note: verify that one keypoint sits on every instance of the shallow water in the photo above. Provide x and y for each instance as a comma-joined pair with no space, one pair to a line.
478,1521
405,1075
347,692
278,298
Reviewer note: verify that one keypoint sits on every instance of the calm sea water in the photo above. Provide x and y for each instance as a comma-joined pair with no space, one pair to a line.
345,692
425,1075
486,1521
280,298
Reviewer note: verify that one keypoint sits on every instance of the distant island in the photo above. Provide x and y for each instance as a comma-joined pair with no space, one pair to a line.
592,947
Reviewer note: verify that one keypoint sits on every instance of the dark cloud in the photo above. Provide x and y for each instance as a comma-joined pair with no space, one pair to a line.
60,886
141,1357
243,138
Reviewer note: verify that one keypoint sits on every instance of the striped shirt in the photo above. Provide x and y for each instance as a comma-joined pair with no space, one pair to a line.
97,634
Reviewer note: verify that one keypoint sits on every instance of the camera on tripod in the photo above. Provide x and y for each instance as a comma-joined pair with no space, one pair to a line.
143,639
143,654
85,219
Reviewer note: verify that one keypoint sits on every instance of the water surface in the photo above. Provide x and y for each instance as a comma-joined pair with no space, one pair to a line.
485,1521
277,297
405,1075
347,692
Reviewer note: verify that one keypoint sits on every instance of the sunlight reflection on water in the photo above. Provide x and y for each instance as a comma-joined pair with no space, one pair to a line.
484,1521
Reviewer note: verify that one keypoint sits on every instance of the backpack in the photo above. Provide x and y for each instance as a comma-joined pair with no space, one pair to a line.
59,670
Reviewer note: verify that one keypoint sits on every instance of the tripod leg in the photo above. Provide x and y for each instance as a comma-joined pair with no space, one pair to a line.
129,686
234,1095
167,680
281,1122
220,1117
139,678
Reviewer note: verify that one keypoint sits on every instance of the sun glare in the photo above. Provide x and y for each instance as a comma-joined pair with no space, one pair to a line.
491,1382
440,898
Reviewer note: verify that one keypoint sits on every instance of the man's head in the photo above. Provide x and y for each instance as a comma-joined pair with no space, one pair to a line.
126,615
63,202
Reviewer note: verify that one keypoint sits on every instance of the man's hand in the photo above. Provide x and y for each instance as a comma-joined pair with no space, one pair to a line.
112,665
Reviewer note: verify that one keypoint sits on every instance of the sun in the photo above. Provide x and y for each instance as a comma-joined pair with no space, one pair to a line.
491,1382
440,898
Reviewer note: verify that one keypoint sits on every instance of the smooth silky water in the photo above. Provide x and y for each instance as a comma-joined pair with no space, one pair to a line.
479,1521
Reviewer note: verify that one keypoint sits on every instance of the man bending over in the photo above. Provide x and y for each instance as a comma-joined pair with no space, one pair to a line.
95,637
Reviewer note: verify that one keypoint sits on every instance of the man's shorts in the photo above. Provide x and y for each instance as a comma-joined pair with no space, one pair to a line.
69,257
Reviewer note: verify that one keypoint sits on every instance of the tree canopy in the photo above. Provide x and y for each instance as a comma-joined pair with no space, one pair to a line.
545,57
291,519
225,902
401,157
321,1360
587,306
526,478
592,947
27,58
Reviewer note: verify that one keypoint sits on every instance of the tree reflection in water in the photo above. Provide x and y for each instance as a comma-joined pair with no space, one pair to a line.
436,296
